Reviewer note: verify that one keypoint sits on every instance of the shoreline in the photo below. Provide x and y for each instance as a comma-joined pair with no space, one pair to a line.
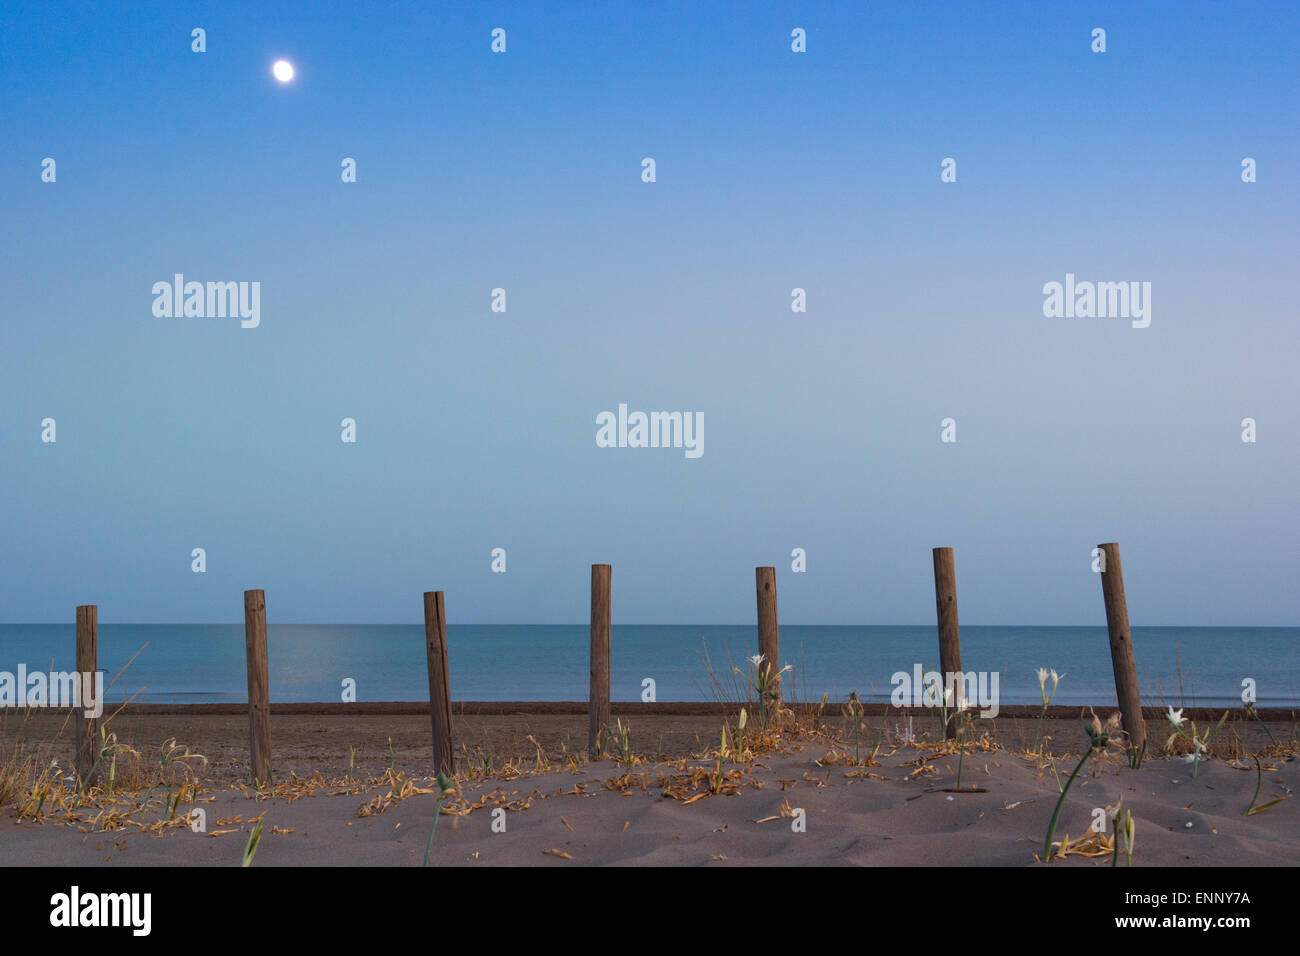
332,738
474,708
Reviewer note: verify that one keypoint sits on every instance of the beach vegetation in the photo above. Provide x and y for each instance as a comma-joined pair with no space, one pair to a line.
1100,736
1259,780
446,787
254,838
1046,696
1198,742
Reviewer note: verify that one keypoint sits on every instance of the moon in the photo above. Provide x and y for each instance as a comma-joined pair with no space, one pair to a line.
282,70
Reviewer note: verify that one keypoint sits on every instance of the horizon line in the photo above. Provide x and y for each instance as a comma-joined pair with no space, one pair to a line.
1101,625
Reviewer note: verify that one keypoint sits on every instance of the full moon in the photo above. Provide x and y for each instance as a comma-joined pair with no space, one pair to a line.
283,70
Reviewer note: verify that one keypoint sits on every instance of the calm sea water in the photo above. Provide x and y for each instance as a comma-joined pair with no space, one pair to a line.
1201,666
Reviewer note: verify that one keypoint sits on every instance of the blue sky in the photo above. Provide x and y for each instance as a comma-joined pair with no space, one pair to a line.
775,170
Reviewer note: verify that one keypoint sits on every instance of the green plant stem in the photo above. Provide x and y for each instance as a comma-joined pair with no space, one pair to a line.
961,753
437,809
1051,827
250,848
1255,714
1038,736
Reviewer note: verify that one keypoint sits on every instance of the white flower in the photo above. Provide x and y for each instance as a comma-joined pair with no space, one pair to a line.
1043,674
1195,755
757,659
1175,717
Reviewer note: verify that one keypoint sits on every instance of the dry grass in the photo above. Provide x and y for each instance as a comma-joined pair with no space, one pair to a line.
25,759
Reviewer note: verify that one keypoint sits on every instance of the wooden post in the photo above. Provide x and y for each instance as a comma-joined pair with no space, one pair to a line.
1121,645
259,704
945,600
435,644
87,728
769,641
598,709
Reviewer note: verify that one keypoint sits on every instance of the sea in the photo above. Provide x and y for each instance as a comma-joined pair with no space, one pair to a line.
204,663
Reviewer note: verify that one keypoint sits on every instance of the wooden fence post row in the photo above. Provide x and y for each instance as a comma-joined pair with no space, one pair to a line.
1121,637
435,630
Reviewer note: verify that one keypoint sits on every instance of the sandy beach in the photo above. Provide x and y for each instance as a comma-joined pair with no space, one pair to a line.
526,796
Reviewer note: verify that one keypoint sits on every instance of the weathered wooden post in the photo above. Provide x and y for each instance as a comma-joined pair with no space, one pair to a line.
435,644
598,709
86,728
769,641
259,704
945,599
1121,645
